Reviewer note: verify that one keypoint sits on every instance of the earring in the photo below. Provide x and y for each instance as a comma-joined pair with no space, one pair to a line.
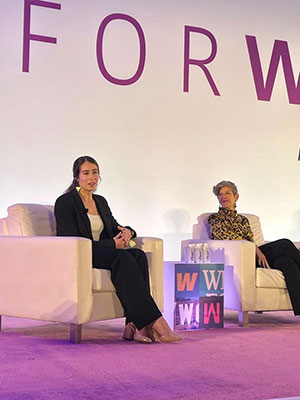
75,181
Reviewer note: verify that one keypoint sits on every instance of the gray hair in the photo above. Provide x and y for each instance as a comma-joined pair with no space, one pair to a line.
222,184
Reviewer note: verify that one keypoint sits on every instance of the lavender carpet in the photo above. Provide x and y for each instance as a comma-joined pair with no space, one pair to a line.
258,362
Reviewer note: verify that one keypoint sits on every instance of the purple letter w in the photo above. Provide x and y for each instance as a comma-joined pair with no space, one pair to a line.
280,50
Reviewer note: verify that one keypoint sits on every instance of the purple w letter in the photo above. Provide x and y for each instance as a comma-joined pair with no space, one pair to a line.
280,50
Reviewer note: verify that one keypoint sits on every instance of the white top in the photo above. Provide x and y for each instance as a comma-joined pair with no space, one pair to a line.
97,226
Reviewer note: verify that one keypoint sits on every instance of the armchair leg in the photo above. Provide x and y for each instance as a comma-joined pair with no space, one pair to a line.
75,333
243,318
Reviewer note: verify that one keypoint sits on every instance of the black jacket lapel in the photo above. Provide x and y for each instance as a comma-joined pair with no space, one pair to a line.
84,221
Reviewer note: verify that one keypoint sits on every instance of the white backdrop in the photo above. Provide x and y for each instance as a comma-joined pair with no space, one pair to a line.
160,149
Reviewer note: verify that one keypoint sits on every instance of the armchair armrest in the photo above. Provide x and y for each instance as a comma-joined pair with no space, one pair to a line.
47,278
153,247
240,272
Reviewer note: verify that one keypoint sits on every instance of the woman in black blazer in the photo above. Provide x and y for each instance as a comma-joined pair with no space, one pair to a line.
79,212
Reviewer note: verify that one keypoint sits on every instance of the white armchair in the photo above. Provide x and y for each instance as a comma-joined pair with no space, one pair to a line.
51,278
246,288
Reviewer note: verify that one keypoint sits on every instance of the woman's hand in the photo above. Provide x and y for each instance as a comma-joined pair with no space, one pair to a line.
261,259
120,242
126,234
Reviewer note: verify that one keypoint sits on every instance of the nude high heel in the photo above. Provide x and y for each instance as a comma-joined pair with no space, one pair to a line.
131,333
173,337
163,333
128,333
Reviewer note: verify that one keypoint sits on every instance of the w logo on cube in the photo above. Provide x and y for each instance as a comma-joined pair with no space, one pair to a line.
199,290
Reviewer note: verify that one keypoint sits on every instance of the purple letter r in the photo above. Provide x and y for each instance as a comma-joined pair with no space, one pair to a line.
201,63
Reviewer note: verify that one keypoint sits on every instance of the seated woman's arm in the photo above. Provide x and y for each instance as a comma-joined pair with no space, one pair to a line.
65,216
126,231
261,258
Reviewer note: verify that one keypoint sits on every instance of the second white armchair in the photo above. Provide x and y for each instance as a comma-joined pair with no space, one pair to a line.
246,288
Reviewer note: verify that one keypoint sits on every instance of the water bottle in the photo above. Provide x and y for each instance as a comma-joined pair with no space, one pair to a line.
190,253
206,253
199,253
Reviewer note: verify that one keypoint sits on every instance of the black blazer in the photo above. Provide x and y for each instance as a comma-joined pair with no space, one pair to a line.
72,220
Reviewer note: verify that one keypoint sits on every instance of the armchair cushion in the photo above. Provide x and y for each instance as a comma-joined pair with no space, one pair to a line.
28,220
102,281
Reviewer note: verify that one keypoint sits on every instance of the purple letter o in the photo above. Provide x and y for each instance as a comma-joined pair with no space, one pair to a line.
101,65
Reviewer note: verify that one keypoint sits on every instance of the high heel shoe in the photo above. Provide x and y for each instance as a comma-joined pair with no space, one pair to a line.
163,333
131,333
172,337
128,333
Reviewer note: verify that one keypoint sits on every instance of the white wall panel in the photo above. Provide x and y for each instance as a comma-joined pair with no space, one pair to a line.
160,149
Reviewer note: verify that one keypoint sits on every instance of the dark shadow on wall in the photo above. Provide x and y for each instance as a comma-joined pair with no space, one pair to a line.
178,228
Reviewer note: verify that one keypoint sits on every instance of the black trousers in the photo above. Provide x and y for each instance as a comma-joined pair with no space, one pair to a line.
283,255
130,276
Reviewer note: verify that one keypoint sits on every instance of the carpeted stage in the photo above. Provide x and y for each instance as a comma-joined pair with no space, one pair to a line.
258,362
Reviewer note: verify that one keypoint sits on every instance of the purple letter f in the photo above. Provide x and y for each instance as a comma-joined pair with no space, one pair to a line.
27,36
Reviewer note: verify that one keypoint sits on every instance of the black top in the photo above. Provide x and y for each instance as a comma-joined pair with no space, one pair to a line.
72,219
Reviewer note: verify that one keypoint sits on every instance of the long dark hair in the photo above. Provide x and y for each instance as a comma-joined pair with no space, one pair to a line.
76,169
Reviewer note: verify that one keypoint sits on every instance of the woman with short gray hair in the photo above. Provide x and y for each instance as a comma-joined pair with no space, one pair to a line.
281,254
222,184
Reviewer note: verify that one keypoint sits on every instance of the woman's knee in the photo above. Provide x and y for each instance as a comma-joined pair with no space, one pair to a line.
285,243
140,259
138,254
124,256
132,259
124,263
